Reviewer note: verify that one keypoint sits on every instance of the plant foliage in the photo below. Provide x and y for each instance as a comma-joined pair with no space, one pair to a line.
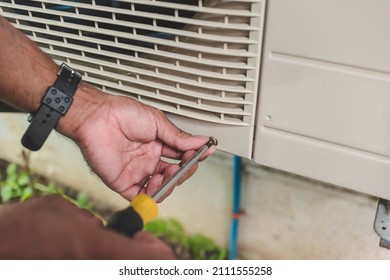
20,185
198,246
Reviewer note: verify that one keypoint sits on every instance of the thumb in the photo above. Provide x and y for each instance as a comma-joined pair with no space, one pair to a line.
176,138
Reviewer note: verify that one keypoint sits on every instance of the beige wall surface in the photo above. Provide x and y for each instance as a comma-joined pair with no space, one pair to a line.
285,216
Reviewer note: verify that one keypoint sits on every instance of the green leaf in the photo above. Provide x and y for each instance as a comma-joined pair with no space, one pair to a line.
16,191
55,189
11,169
171,230
42,188
82,200
11,179
6,193
27,193
13,185
23,179
202,247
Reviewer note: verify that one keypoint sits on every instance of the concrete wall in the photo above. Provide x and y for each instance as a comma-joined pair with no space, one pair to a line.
286,216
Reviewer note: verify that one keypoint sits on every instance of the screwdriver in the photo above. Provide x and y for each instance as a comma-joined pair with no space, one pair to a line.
143,208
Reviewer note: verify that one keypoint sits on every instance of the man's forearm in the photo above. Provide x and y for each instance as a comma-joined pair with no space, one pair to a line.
25,71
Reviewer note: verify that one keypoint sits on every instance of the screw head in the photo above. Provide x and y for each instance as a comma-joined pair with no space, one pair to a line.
213,140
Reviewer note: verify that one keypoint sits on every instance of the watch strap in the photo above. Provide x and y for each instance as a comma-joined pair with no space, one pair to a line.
54,104
38,131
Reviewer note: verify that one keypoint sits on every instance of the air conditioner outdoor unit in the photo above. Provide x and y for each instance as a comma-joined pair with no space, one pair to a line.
298,85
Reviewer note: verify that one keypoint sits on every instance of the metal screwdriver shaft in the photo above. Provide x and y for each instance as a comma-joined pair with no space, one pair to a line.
186,166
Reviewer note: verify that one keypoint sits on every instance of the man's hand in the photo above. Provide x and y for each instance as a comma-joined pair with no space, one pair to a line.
123,141
50,227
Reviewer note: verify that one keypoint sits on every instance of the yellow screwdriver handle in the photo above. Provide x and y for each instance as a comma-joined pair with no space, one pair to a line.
146,207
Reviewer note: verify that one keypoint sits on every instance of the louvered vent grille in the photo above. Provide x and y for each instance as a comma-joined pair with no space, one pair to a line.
198,59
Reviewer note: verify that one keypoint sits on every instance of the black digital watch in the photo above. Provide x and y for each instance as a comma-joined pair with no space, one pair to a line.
54,104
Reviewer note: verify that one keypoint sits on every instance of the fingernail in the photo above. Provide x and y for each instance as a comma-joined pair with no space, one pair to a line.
160,180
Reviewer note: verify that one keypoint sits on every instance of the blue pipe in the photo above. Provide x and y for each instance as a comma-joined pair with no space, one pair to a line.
237,167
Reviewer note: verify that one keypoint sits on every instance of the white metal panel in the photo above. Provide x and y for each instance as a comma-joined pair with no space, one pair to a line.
325,92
